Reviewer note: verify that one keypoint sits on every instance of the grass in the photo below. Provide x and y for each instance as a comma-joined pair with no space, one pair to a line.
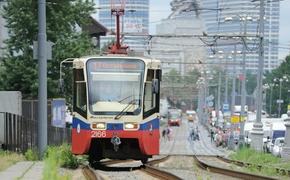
56,157
9,158
254,157
268,162
31,155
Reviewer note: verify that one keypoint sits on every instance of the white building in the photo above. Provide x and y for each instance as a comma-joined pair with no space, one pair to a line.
228,17
179,53
135,21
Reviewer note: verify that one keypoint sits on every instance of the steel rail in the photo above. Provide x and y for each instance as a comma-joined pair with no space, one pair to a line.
90,174
111,162
157,161
229,172
158,173
243,164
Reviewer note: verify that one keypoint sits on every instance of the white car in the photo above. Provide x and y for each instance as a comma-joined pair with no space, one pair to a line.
277,146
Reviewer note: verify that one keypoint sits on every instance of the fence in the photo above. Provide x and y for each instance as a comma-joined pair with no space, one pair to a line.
19,134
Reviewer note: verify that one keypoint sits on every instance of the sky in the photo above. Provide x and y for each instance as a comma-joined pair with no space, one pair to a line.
160,9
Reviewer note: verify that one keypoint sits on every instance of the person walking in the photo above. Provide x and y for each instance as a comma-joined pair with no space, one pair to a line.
211,135
169,134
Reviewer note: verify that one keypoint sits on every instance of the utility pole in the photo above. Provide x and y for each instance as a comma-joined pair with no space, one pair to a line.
280,94
243,94
257,132
42,79
226,86
234,82
231,138
219,97
271,94
205,99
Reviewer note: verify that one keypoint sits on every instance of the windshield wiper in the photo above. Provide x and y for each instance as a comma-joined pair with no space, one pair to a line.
121,113
125,98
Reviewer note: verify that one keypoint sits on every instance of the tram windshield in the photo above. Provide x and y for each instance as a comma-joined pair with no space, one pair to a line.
115,85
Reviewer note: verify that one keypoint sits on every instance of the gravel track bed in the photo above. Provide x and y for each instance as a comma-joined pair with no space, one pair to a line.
219,163
121,171
185,168
181,166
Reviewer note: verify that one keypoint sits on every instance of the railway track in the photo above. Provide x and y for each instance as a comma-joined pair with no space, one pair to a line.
158,173
91,174
243,164
215,164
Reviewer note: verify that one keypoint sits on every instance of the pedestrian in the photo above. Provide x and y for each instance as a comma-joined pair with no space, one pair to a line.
163,133
211,135
169,134
192,133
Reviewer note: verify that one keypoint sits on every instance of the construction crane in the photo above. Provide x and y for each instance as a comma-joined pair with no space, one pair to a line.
118,9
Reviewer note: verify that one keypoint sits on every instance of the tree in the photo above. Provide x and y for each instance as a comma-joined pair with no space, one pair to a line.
18,69
279,73
172,77
192,76
251,82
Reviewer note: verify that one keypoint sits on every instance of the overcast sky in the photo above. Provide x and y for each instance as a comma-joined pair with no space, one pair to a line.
160,9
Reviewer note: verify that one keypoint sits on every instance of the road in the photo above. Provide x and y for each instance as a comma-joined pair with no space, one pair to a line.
182,145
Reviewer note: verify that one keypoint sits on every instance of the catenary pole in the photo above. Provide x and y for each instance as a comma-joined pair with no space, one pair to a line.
243,97
42,79
257,132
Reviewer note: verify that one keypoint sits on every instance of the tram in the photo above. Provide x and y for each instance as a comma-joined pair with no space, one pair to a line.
116,106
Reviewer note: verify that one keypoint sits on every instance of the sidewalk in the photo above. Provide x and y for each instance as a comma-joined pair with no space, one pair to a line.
24,170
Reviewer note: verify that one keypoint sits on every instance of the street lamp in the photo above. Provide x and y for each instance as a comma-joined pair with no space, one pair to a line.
244,19
200,85
280,101
265,87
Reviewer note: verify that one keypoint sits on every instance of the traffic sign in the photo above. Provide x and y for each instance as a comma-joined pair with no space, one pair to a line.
210,98
288,107
210,104
280,101
226,107
235,119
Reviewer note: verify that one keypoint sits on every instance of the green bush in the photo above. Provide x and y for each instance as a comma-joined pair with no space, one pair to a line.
64,156
31,155
56,157
67,159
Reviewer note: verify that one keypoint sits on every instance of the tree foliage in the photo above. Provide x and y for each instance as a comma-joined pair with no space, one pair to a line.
18,69
272,78
251,82
176,95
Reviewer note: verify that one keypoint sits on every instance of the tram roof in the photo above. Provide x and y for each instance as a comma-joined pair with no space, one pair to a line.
153,63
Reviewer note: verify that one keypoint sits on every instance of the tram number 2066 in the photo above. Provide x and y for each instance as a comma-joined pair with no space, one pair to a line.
98,134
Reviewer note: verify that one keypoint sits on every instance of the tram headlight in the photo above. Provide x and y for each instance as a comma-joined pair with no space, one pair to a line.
99,125
131,126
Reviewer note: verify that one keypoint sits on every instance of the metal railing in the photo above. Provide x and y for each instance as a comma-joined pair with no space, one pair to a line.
19,134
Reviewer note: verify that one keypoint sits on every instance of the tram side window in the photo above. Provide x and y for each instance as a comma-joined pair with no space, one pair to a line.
150,98
80,92
148,104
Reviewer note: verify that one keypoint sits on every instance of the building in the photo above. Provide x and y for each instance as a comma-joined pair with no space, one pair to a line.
95,30
232,17
176,52
134,22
